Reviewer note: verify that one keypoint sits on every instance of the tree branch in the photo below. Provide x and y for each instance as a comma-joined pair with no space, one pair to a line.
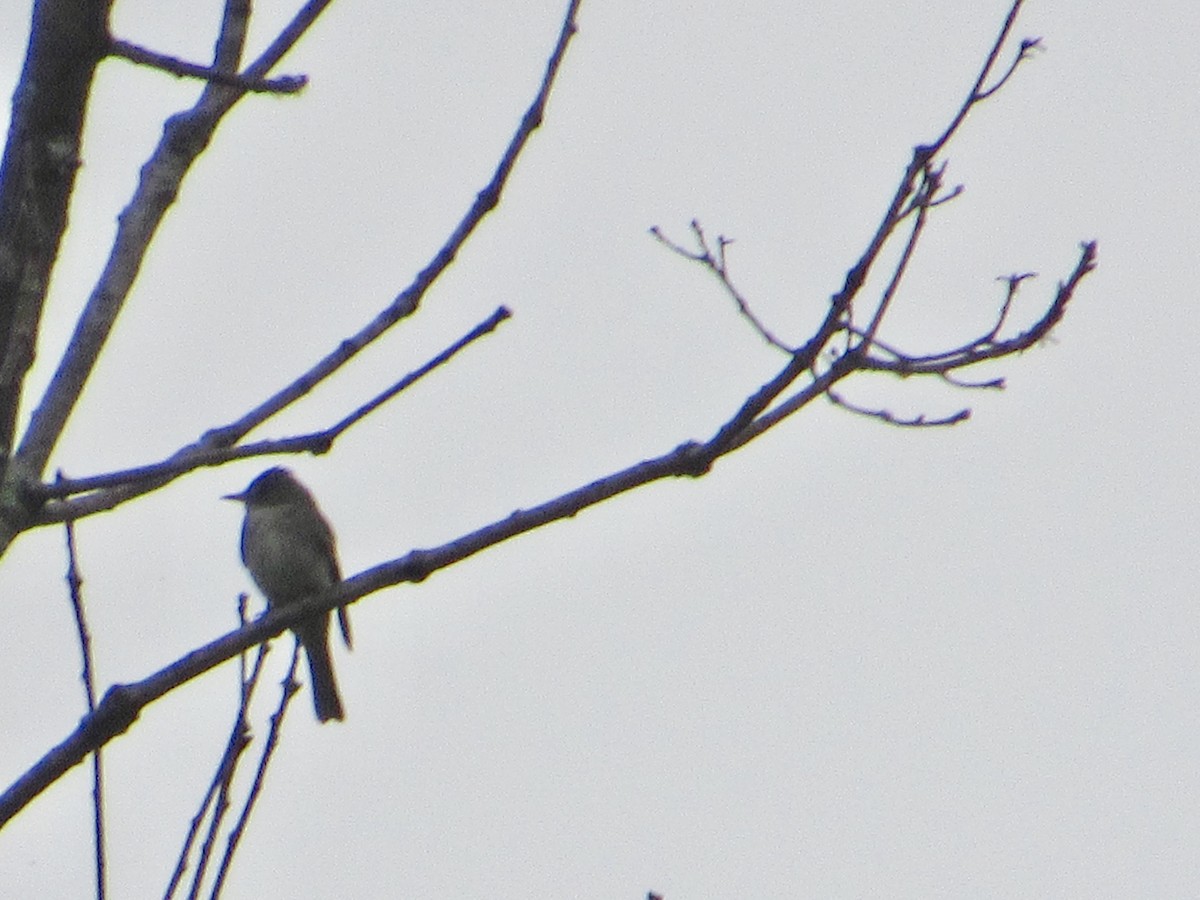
103,492
715,262
214,446
260,773
68,39
285,84
760,411
185,137
219,788
75,589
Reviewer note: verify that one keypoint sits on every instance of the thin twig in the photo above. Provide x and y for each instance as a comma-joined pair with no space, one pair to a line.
977,93
953,381
1014,282
75,589
326,438
218,789
917,421
311,442
239,741
1028,45
289,688
761,411
715,262
985,347
930,183
284,84
406,303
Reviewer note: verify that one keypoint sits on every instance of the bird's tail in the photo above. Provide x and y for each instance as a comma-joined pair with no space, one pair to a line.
314,636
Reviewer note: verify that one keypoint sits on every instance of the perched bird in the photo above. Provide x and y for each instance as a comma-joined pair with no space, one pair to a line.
289,549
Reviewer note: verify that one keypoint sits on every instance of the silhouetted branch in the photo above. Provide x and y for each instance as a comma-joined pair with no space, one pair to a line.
75,589
811,371
104,491
1014,282
185,136
284,84
213,446
987,346
37,179
217,795
918,421
920,191
715,262
288,690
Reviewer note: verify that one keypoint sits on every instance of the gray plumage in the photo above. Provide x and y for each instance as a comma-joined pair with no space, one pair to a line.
289,549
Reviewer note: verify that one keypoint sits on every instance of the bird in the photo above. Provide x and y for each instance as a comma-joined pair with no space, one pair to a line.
290,551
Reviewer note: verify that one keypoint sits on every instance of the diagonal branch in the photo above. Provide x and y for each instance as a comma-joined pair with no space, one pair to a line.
285,84
407,301
217,795
922,156
123,703
715,262
931,183
75,589
215,445
762,410
978,93
260,773
918,192
107,490
67,41
987,347
185,137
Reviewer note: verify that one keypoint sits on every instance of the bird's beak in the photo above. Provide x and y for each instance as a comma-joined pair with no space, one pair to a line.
240,498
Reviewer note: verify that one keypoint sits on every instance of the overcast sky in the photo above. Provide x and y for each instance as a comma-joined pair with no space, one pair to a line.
852,661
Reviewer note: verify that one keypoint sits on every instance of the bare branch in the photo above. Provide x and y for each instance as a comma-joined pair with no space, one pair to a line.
408,300
37,177
75,589
220,439
940,365
218,791
992,383
1028,45
931,182
185,137
327,437
842,367
284,84
986,347
1014,282
977,93
288,691
898,209
919,421
715,263
107,490
761,410
917,192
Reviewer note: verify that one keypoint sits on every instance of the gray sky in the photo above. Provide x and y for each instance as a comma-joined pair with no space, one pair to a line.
852,661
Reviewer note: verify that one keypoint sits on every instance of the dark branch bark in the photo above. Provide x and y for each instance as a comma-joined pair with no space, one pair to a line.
807,375
185,137
68,38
